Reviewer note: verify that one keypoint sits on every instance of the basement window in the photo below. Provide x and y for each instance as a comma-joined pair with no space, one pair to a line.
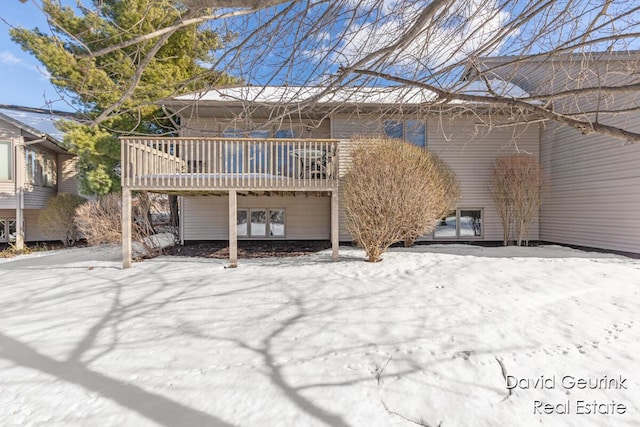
460,224
258,226
276,222
8,230
261,222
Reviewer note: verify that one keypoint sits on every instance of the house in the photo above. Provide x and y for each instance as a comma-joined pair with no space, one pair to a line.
280,177
276,172
593,193
34,166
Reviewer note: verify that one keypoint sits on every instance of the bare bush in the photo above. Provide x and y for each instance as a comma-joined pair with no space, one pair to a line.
100,221
57,218
395,191
517,193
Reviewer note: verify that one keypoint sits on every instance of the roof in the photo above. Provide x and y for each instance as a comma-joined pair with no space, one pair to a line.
630,55
298,94
537,74
35,121
390,95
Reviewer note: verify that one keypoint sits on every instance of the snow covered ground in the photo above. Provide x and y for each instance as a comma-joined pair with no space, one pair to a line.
426,336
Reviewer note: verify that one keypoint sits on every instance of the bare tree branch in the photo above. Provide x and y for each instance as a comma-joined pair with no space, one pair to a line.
232,4
584,126
170,29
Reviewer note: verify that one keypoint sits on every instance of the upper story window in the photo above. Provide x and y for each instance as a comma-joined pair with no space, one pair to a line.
413,131
284,134
6,173
41,167
260,134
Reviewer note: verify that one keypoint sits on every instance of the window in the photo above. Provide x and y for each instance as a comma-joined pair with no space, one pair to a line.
413,131
260,222
41,167
283,152
446,227
242,223
259,155
284,134
49,174
12,229
470,223
5,161
276,222
460,224
8,230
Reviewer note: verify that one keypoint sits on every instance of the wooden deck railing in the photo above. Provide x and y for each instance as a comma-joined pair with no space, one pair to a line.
229,163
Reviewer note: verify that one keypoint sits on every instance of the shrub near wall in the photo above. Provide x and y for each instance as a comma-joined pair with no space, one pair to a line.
395,191
516,189
57,218
100,221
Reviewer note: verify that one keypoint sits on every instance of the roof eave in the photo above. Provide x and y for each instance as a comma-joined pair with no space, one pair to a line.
35,132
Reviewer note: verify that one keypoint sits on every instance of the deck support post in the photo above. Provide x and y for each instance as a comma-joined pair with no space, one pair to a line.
233,228
20,178
126,228
335,224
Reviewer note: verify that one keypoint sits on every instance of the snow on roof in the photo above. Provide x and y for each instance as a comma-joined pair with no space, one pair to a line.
391,95
296,94
498,86
39,121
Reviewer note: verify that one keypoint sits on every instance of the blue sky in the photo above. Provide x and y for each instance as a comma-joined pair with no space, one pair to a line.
23,81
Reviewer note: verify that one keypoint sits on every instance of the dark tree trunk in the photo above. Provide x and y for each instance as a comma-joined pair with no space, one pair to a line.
174,218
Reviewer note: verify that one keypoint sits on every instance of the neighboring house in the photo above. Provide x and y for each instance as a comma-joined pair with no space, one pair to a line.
33,167
277,175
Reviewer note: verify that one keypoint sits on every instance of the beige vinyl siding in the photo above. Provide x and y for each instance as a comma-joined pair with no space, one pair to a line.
36,197
32,229
8,130
563,72
469,149
592,198
33,232
7,195
306,217
67,174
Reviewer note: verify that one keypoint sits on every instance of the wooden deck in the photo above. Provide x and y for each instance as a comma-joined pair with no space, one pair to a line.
231,166
201,164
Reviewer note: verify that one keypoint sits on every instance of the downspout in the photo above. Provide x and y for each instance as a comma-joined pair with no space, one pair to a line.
20,178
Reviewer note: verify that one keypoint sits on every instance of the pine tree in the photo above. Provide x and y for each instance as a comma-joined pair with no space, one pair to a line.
120,89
